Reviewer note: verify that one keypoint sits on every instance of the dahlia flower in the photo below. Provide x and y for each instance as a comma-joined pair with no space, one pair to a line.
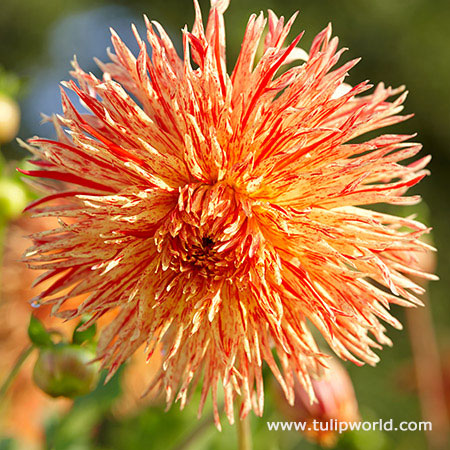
220,215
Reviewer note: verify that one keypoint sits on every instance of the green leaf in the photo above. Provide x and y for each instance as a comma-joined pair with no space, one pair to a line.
79,337
37,333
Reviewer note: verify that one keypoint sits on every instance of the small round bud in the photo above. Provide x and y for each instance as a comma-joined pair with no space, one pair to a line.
13,198
9,119
66,371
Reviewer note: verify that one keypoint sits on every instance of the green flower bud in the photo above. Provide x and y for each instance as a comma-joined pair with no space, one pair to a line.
9,119
66,371
13,198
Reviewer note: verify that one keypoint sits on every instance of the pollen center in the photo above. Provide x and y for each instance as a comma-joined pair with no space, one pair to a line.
206,234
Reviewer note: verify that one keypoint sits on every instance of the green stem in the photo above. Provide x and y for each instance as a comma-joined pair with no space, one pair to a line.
15,370
201,427
244,434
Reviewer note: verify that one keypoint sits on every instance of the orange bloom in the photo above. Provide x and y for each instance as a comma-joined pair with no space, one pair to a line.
217,213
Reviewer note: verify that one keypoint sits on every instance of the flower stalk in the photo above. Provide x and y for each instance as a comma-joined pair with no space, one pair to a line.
15,370
244,433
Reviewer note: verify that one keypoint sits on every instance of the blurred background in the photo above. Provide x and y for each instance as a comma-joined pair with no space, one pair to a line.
401,42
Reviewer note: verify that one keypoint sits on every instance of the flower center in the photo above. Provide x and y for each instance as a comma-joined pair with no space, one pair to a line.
201,255
206,234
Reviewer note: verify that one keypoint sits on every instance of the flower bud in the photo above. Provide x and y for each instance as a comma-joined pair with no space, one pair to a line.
336,402
13,198
9,119
66,371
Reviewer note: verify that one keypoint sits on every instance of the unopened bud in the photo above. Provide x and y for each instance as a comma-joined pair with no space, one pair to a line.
13,198
66,371
335,407
9,119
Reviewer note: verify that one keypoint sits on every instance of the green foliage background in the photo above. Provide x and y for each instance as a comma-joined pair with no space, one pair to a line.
401,42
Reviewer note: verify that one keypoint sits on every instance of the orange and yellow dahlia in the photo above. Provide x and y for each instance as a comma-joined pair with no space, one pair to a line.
218,214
